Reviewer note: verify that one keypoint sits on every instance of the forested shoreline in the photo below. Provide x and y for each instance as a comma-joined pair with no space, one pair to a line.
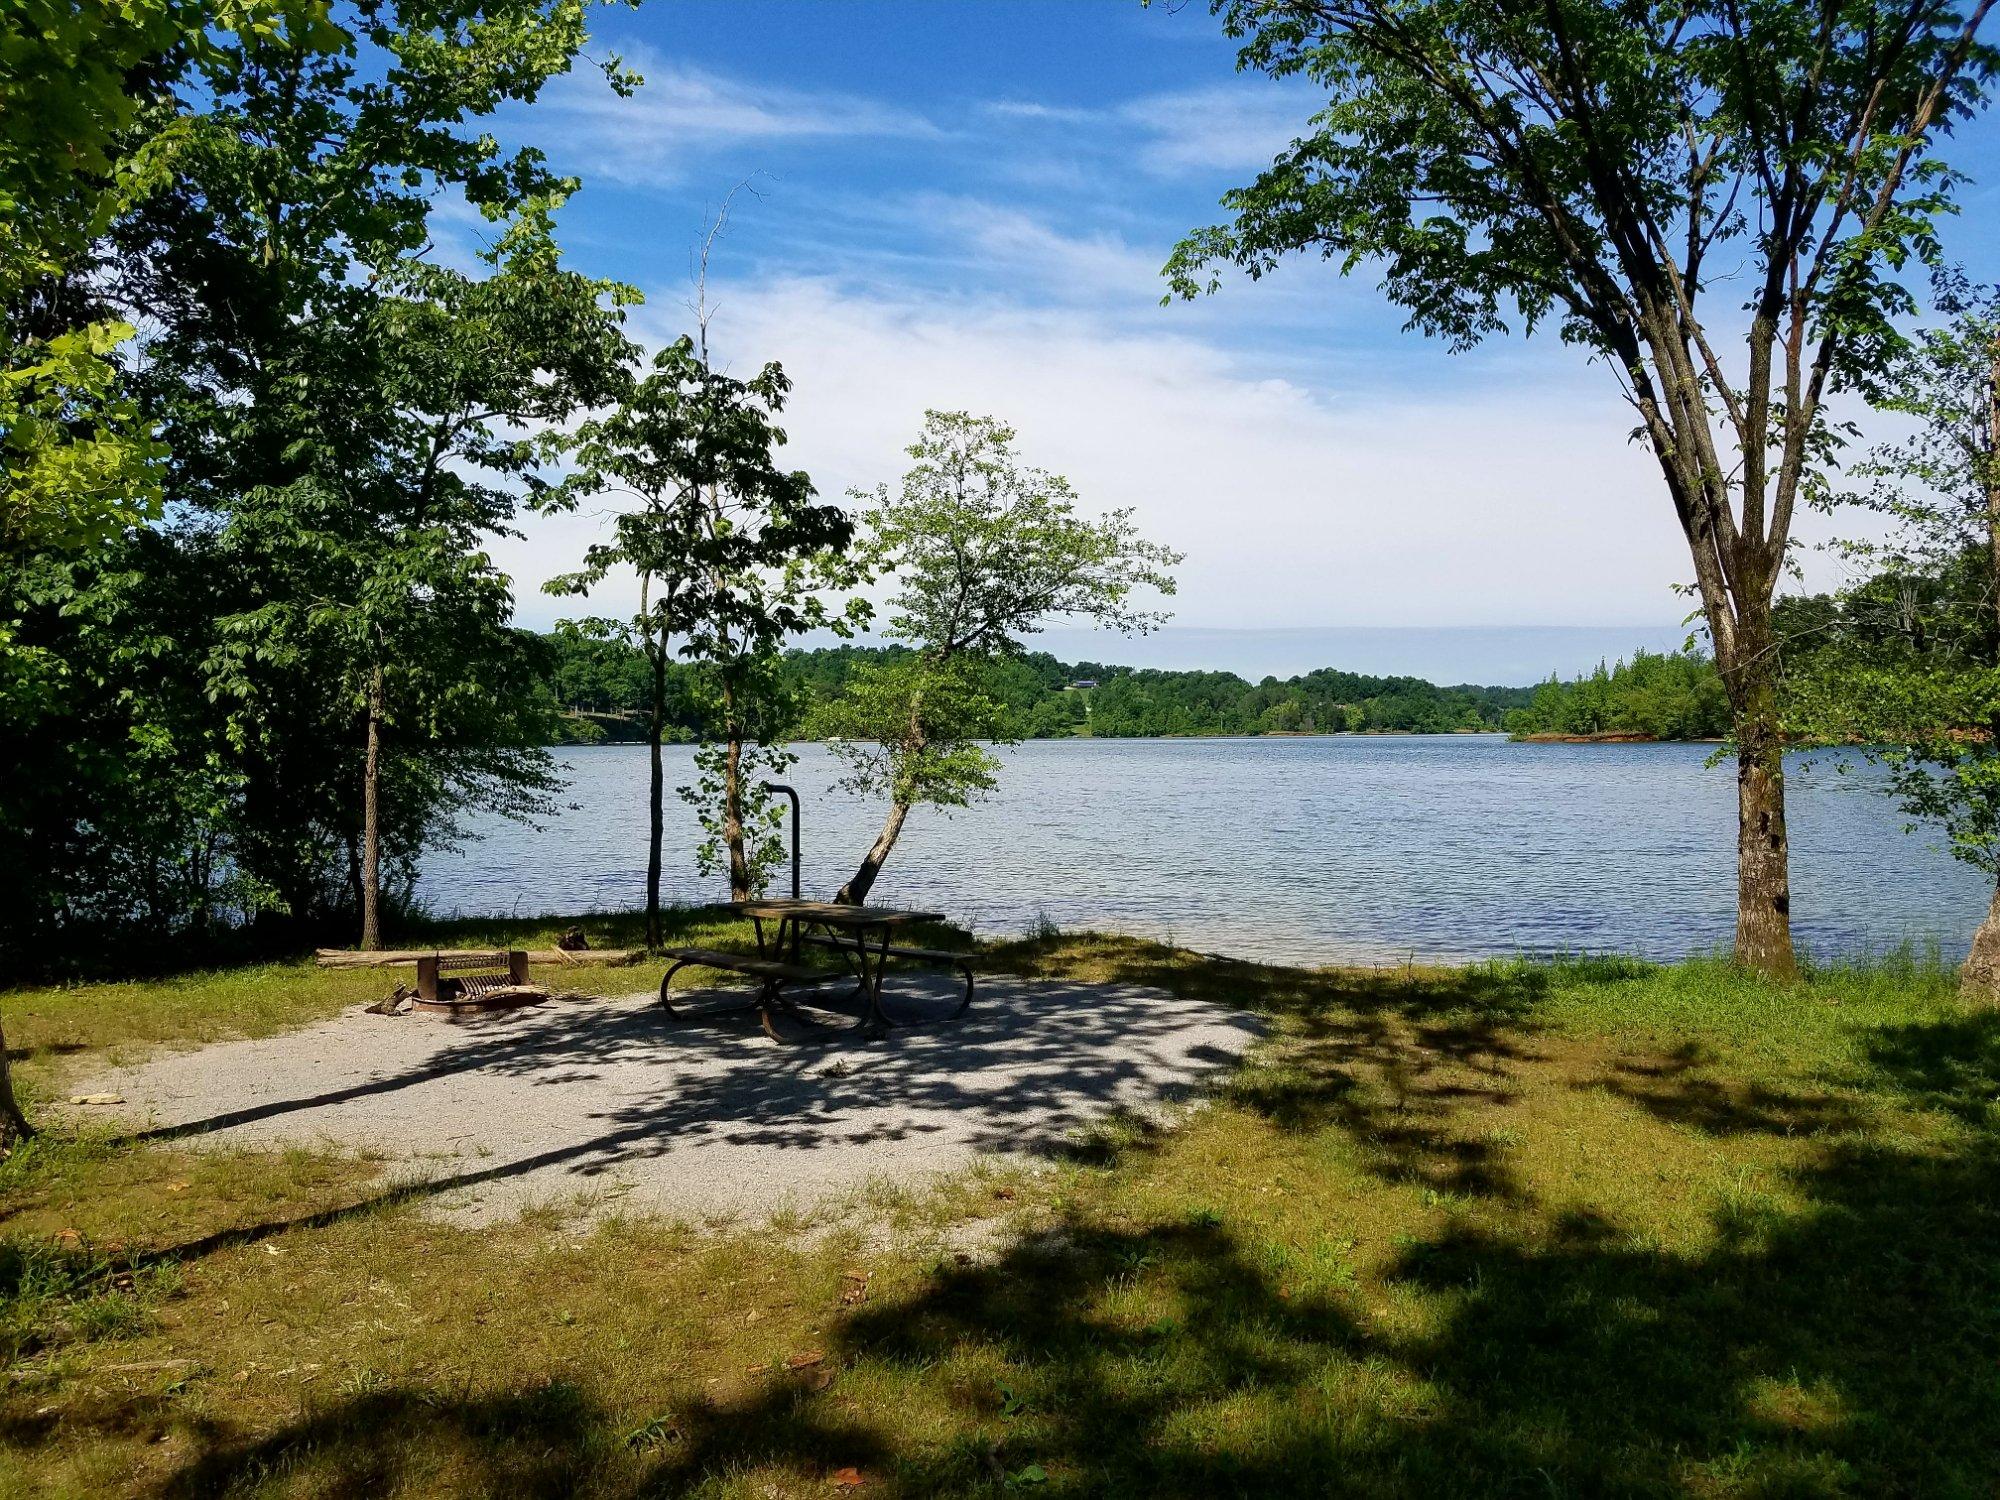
599,689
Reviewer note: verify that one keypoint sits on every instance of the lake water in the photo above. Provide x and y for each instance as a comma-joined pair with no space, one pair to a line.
1308,850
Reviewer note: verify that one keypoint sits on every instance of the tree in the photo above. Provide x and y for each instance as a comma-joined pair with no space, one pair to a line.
983,550
1607,165
78,145
353,415
731,554
1907,661
750,713
452,395
88,128
911,728
770,552
729,548
657,447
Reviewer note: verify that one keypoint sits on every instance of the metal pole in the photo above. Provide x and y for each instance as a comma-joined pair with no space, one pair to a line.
773,786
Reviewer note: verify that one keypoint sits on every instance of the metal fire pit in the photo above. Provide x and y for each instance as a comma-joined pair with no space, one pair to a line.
460,984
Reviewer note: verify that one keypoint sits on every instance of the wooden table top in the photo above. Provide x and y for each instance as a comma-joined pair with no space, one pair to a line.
833,914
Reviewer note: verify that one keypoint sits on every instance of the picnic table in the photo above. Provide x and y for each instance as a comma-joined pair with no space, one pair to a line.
862,935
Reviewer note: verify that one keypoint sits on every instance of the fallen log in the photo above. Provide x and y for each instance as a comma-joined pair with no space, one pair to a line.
348,958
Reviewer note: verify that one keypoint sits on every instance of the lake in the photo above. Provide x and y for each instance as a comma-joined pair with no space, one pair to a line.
1302,850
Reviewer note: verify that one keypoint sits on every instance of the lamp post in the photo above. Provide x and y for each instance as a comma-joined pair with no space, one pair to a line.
774,786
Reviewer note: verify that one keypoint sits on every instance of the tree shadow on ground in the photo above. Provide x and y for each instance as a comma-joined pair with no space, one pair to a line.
1679,1087
1952,1066
1396,1060
533,1443
45,1050
1843,1347
1847,1349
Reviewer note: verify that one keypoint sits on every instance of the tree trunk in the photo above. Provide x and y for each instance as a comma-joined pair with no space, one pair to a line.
371,822
862,881
1763,876
14,1126
353,872
1737,564
855,892
732,797
1763,865
1980,978
656,805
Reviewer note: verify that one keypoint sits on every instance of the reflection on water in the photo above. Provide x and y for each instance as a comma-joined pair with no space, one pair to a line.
1301,850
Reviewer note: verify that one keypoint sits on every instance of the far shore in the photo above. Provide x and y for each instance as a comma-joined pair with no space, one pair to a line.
1538,737
1607,737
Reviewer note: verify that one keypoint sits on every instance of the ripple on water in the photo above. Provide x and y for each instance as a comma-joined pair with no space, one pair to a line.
1302,850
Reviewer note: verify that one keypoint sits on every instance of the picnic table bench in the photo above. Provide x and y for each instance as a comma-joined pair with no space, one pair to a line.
860,934
939,956
772,974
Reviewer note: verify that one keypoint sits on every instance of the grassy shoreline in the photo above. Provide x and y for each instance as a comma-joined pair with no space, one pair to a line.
1584,1228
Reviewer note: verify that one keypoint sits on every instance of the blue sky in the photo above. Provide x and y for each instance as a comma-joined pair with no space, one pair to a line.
962,204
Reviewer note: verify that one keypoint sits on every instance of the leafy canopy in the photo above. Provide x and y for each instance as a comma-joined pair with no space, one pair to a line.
730,540
89,125
907,727
1583,160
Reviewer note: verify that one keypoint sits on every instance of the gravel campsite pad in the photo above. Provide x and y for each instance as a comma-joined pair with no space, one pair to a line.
612,1103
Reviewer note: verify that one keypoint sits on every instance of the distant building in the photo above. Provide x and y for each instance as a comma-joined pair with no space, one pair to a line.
1081,682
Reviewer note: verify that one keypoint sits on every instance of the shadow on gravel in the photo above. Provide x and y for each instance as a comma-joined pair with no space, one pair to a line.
1031,1065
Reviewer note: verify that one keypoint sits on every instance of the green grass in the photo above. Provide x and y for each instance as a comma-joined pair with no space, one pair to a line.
1583,1228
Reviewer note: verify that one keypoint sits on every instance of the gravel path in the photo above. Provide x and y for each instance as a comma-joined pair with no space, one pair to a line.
608,1103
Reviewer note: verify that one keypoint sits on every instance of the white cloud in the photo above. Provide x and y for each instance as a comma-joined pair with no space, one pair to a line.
680,110
1029,109
1226,127
1065,266
1219,128
1521,505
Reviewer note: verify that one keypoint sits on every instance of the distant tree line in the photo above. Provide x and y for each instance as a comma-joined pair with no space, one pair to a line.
1140,703
597,689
